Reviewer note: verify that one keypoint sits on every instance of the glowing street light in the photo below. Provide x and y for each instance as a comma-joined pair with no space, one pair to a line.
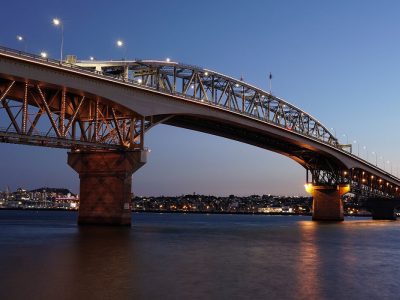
91,58
57,22
120,43
43,54
21,39
168,59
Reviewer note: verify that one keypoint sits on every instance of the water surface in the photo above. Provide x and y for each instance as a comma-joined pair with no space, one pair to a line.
44,255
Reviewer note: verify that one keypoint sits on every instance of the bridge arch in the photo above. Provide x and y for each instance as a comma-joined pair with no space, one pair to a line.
111,104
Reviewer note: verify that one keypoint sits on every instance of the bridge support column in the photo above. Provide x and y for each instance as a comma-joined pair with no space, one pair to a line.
382,209
327,203
105,184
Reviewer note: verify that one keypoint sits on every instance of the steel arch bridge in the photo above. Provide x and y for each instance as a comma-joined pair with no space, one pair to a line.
111,104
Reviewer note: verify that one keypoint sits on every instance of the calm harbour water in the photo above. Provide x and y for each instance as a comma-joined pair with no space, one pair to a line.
44,255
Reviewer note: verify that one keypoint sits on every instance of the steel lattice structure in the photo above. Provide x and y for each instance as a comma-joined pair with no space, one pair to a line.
53,117
215,89
39,113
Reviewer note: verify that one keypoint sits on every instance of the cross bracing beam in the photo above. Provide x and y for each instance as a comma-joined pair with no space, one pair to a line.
31,113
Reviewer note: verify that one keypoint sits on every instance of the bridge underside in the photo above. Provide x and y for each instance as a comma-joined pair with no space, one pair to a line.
54,104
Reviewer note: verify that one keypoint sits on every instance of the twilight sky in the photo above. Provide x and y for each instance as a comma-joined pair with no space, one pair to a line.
337,60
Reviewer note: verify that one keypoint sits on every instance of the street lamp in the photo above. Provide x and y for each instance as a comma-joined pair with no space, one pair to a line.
57,22
358,147
43,54
347,138
21,39
366,151
334,131
121,44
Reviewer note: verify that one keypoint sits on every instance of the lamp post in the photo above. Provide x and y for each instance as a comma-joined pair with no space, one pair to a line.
347,138
334,131
366,151
121,44
43,54
22,40
57,22
358,147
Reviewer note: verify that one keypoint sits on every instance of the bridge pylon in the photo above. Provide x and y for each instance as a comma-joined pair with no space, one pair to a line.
105,184
327,202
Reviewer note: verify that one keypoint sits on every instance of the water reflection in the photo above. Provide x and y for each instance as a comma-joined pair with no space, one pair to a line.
101,262
198,257
308,263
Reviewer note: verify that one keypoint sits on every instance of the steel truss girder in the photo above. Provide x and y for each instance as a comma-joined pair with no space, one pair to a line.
361,183
36,114
216,89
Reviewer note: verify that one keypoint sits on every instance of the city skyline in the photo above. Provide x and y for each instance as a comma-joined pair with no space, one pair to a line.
302,75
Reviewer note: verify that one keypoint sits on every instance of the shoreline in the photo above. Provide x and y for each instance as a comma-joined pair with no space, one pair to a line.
183,212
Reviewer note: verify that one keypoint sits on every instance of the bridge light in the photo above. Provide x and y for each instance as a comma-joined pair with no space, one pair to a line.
309,188
139,80
345,173
91,58
56,21
372,176
192,86
20,38
120,43
363,180
237,84
206,73
168,59
43,54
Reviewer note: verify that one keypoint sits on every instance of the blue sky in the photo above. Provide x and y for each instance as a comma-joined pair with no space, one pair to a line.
338,60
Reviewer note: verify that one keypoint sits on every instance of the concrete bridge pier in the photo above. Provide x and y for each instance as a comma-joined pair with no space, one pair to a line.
105,184
382,209
327,202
